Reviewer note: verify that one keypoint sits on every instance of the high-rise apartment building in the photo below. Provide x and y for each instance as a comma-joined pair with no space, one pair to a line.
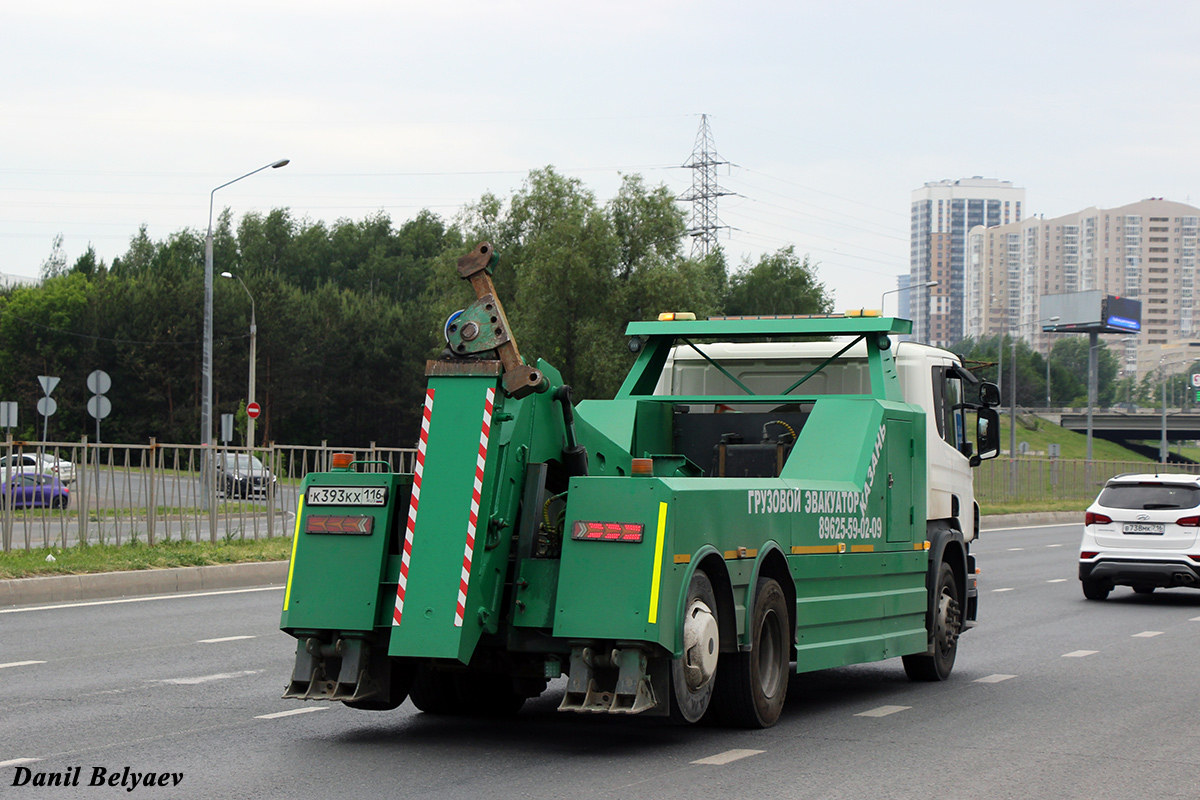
1144,251
943,212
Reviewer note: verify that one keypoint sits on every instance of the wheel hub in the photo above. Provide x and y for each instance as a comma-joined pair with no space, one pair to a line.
701,645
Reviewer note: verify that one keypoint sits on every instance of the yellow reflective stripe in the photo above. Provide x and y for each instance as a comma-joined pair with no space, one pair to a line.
862,548
658,551
287,595
820,548
683,558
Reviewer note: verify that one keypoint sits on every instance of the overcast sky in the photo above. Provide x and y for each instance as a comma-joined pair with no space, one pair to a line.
123,113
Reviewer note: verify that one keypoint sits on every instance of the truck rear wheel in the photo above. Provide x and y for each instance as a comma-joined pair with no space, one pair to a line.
435,691
753,686
694,673
401,679
947,625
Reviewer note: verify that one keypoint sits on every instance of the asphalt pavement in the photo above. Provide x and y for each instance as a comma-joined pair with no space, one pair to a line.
1052,696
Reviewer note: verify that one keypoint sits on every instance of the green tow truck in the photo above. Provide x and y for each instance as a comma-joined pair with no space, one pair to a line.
760,492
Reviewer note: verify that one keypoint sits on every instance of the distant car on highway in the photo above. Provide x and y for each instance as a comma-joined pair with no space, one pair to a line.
43,463
34,490
242,475
1142,532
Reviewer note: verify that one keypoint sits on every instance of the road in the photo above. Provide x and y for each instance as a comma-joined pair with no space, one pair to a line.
1052,696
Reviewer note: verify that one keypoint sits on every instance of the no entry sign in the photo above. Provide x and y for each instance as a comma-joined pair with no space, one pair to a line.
252,410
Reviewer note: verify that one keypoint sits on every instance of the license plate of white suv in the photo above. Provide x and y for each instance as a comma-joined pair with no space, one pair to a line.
1144,527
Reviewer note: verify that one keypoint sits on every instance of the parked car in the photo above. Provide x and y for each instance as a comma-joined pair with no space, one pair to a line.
34,490
242,475
1142,532
43,463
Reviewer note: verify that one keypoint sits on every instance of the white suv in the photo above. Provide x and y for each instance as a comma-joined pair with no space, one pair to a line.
1142,532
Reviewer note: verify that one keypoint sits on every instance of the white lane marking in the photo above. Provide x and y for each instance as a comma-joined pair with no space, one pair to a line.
1080,653
294,712
16,762
1194,619
883,711
1058,580
1147,634
1054,545
727,757
141,599
224,639
20,664
1015,549
220,676
994,678
1033,527
1008,589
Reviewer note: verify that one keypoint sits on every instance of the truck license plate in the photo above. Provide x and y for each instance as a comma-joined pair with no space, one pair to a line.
346,496
1144,527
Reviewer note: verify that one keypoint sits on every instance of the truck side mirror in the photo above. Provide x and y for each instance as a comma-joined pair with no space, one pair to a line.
987,432
989,394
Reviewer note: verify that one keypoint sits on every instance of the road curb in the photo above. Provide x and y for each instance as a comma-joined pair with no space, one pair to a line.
104,585
1034,518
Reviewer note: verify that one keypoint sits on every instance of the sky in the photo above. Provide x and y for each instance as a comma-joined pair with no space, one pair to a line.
126,113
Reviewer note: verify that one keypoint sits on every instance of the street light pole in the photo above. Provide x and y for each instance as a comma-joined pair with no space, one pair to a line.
1039,322
253,359
206,370
925,285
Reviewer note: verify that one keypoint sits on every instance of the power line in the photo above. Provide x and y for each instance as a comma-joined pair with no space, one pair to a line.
704,193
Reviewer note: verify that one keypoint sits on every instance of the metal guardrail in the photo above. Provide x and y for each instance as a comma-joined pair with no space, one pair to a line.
159,492
1026,478
119,493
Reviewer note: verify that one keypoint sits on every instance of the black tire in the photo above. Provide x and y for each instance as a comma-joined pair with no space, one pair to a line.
488,695
1144,589
402,674
752,687
435,691
946,617
693,674
1096,589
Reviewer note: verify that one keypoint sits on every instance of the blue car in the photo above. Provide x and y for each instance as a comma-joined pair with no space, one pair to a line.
30,490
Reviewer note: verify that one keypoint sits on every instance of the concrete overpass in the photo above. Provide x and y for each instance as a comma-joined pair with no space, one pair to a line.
1127,429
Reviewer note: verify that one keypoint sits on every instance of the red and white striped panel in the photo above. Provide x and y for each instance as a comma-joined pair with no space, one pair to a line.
406,555
473,521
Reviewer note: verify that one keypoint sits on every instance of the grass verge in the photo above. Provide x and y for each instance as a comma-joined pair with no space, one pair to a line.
114,558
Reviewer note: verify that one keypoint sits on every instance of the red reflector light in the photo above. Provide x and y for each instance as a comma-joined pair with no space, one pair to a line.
1086,554
607,531
342,460
320,523
1194,558
1189,522
1091,518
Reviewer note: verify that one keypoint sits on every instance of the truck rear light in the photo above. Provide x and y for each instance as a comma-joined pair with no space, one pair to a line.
607,531
342,460
358,525
641,466
1188,522
1086,554
1091,518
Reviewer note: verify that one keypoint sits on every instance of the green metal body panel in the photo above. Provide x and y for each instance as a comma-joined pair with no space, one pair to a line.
334,579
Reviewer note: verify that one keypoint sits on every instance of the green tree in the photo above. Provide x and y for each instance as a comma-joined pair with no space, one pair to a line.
780,283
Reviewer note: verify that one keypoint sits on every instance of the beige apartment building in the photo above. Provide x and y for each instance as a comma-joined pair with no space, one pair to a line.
1144,251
